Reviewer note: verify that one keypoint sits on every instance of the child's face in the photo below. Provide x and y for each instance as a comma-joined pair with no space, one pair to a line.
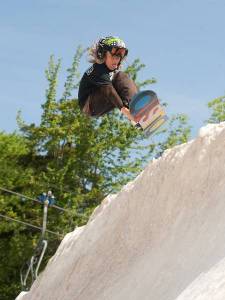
112,61
113,58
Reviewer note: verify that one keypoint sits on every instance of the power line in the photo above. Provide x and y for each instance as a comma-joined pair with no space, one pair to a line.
28,224
36,200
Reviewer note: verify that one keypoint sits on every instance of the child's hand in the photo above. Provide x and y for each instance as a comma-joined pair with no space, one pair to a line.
126,112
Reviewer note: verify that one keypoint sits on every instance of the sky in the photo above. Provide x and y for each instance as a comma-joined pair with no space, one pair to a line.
181,42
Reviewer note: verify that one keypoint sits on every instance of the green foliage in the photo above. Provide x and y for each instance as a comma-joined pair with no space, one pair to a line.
218,110
12,148
13,175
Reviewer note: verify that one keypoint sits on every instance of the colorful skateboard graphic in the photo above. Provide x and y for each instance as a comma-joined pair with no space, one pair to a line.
147,111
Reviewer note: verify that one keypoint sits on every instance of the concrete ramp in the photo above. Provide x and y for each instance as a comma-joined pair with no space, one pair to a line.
161,238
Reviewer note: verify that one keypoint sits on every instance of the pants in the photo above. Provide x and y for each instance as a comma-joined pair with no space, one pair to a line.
107,97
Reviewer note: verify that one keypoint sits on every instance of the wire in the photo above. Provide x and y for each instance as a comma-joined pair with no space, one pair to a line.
21,195
28,224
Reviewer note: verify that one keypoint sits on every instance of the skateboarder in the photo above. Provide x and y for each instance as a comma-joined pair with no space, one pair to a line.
104,86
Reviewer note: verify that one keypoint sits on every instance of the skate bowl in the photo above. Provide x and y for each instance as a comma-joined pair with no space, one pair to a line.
162,237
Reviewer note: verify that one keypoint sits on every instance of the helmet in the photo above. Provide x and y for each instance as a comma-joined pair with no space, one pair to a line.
108,43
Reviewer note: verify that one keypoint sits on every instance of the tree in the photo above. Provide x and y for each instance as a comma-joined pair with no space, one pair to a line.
13,175
218,110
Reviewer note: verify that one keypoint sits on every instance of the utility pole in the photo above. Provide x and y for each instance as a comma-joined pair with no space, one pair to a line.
31,267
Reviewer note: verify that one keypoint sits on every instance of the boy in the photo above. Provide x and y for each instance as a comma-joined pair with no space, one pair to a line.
103,86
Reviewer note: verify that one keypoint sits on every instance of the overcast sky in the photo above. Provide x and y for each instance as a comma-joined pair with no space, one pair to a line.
181,42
